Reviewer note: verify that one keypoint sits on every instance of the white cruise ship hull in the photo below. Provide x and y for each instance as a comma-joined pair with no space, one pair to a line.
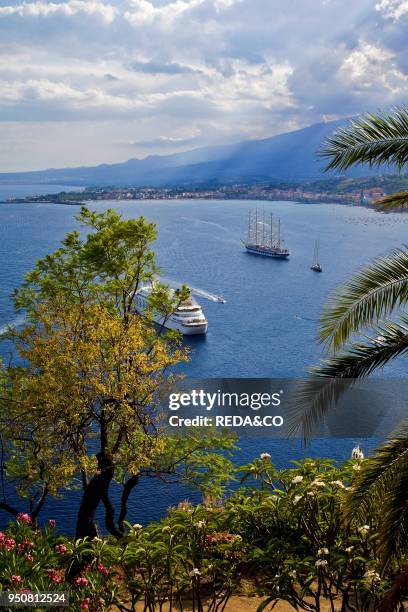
188,319
184,328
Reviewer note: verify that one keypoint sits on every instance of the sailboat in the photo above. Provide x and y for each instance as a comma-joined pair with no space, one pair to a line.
263,241
316,267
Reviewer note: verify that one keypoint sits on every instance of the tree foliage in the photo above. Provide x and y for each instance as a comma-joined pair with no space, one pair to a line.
83,407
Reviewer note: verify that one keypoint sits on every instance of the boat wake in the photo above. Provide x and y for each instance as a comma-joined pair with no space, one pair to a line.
299,317
4,329
207,295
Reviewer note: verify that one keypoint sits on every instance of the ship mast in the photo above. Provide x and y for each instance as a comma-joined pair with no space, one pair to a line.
256,227
263,228
316,253
249,235
279,233
271,236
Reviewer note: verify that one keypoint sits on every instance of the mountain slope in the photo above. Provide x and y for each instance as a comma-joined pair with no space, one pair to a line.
292,155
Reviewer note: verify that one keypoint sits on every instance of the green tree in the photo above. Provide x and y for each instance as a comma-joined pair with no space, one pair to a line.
364,326
84,408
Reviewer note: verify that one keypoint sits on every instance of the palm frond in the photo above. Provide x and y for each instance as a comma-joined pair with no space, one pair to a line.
383,481
374,139
366,297
315,396
393,201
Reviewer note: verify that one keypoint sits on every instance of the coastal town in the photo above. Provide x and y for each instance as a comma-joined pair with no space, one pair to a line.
358,196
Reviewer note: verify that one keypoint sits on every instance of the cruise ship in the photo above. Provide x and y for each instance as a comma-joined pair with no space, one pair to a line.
262,240
188,318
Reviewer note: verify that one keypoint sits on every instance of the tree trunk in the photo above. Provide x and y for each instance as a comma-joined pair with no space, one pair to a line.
127,489
95,492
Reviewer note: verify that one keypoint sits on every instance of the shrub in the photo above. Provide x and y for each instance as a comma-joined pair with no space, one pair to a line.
33,560
300,548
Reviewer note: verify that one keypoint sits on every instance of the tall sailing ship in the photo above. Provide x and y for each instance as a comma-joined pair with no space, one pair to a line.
262,240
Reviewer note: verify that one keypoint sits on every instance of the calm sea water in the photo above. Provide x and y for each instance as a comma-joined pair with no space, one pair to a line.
267,327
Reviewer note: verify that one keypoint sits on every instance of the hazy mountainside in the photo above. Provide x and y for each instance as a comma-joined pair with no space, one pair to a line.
291,155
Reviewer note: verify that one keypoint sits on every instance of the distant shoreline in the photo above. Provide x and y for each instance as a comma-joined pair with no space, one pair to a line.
362,192
201,199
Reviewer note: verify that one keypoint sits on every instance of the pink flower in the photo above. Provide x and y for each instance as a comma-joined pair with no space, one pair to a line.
9,543
2,537
23,517
81,581
29,557
102,569
85,604
54,575
15,578
52,523
61,549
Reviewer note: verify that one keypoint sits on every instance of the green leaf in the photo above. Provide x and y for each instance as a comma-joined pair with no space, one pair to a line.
375,139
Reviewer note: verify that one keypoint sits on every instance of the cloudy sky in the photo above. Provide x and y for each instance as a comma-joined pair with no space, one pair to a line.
91,81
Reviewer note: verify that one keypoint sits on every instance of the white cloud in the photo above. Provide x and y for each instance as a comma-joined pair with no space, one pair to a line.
67,9
371,67
153,72
393,9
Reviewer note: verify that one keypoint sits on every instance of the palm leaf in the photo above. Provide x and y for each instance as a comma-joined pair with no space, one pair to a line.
383,481
314,397
397,200
366,297
374,139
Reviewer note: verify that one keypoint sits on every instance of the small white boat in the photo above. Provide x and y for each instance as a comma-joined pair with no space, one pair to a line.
188,318
316,267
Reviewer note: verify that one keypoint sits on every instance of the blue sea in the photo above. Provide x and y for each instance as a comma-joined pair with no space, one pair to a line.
266,328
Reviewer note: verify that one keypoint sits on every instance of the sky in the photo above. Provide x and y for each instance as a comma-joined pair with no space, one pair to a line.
84,82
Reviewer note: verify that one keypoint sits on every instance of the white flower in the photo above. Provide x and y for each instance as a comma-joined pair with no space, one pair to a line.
349,549
195,572
137,526
297,479
372,577
265,456
200,524
323,551
297,498
357,467
293,574
339,483
312,493
318,483
321,563
364,529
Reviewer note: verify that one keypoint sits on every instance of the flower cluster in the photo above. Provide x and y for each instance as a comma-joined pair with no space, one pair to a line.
32,560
